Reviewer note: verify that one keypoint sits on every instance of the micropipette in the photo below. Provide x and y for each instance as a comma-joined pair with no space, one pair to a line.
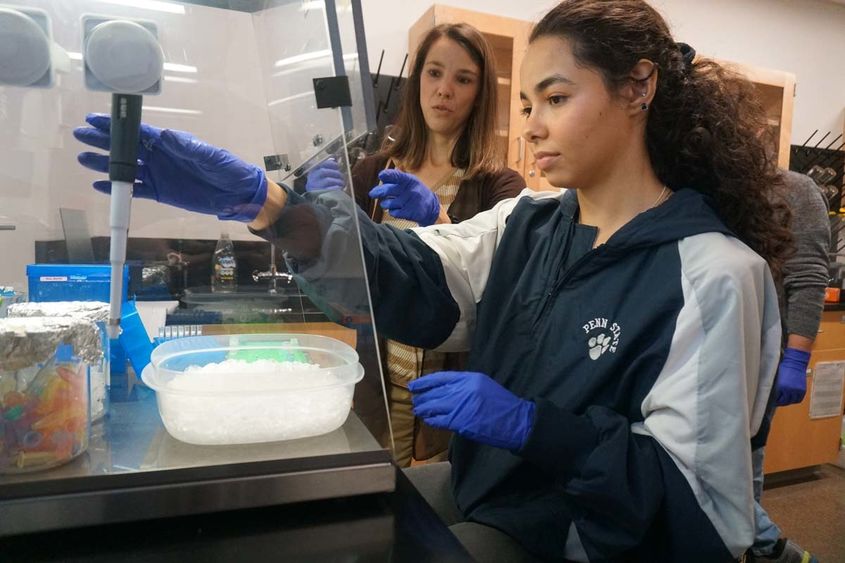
122,57
125,128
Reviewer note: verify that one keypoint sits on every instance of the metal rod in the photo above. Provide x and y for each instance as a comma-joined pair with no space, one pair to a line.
275,281
389,93
364,64
821,140
378,70
394,84
379,110
830,157
839,136
822,159
337,58
402,69
808,138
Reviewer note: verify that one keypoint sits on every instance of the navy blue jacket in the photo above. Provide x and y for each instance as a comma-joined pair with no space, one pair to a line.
649,358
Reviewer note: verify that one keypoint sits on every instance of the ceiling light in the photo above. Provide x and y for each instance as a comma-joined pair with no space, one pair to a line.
173,67
302,58
157,5
171,110
180,79
290,98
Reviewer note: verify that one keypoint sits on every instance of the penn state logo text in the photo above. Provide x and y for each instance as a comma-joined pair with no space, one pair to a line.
603,337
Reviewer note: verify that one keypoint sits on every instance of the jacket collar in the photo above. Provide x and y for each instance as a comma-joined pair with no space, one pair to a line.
687,213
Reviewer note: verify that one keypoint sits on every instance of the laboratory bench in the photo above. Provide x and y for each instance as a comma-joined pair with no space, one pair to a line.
397,527
137,494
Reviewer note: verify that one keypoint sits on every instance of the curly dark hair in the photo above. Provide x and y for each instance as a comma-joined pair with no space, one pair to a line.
706,126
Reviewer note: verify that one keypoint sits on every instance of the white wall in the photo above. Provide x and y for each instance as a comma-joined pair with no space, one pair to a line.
213,95
804,37
229,99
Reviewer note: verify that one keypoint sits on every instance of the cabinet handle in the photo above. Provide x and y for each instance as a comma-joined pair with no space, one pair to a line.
520,151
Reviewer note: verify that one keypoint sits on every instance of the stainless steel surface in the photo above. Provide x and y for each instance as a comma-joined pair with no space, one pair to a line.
146,502
133,439
133,462
133,468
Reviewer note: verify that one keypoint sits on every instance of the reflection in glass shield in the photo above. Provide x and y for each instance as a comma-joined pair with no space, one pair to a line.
24,48
233,74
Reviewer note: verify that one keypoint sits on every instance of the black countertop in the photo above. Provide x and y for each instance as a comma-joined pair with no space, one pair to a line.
387,527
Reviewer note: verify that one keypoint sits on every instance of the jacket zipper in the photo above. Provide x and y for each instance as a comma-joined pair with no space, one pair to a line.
562,279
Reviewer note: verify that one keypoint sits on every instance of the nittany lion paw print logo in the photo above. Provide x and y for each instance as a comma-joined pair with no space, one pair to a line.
598,345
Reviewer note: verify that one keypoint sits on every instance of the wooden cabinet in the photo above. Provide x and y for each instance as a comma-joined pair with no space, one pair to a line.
777,93
796,440
508,38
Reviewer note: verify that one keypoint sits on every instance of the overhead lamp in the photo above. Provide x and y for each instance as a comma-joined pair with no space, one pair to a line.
156,5
179,111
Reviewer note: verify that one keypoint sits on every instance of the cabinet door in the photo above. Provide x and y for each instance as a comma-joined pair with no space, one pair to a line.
798,441
777,93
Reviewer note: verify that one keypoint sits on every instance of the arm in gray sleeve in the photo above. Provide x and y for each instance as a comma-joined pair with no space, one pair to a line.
319,235
806,273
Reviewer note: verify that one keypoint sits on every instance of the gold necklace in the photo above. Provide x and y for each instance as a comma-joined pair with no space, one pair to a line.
659,198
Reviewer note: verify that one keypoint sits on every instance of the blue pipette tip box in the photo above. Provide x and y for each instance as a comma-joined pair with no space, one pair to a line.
72,282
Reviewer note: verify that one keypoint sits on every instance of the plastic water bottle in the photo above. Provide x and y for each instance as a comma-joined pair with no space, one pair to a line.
224,274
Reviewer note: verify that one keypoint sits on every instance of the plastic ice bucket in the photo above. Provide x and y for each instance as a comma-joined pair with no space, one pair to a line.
249,388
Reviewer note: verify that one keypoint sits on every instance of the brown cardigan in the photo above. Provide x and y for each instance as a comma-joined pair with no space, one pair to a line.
474,195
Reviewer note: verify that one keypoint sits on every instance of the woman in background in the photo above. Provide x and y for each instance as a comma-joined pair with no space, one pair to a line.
439,164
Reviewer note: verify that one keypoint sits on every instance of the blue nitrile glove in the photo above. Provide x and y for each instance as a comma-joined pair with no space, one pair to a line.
406,197
325,176
178,169
475,406
792,377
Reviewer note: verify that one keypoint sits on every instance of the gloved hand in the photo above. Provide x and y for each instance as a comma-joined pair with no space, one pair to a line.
178,169
406,197
475,406
792,377
325,176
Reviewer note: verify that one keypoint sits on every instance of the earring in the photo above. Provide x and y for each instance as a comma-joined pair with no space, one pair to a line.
644,106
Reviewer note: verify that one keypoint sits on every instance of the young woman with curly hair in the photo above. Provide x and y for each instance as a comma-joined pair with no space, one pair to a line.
623,335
